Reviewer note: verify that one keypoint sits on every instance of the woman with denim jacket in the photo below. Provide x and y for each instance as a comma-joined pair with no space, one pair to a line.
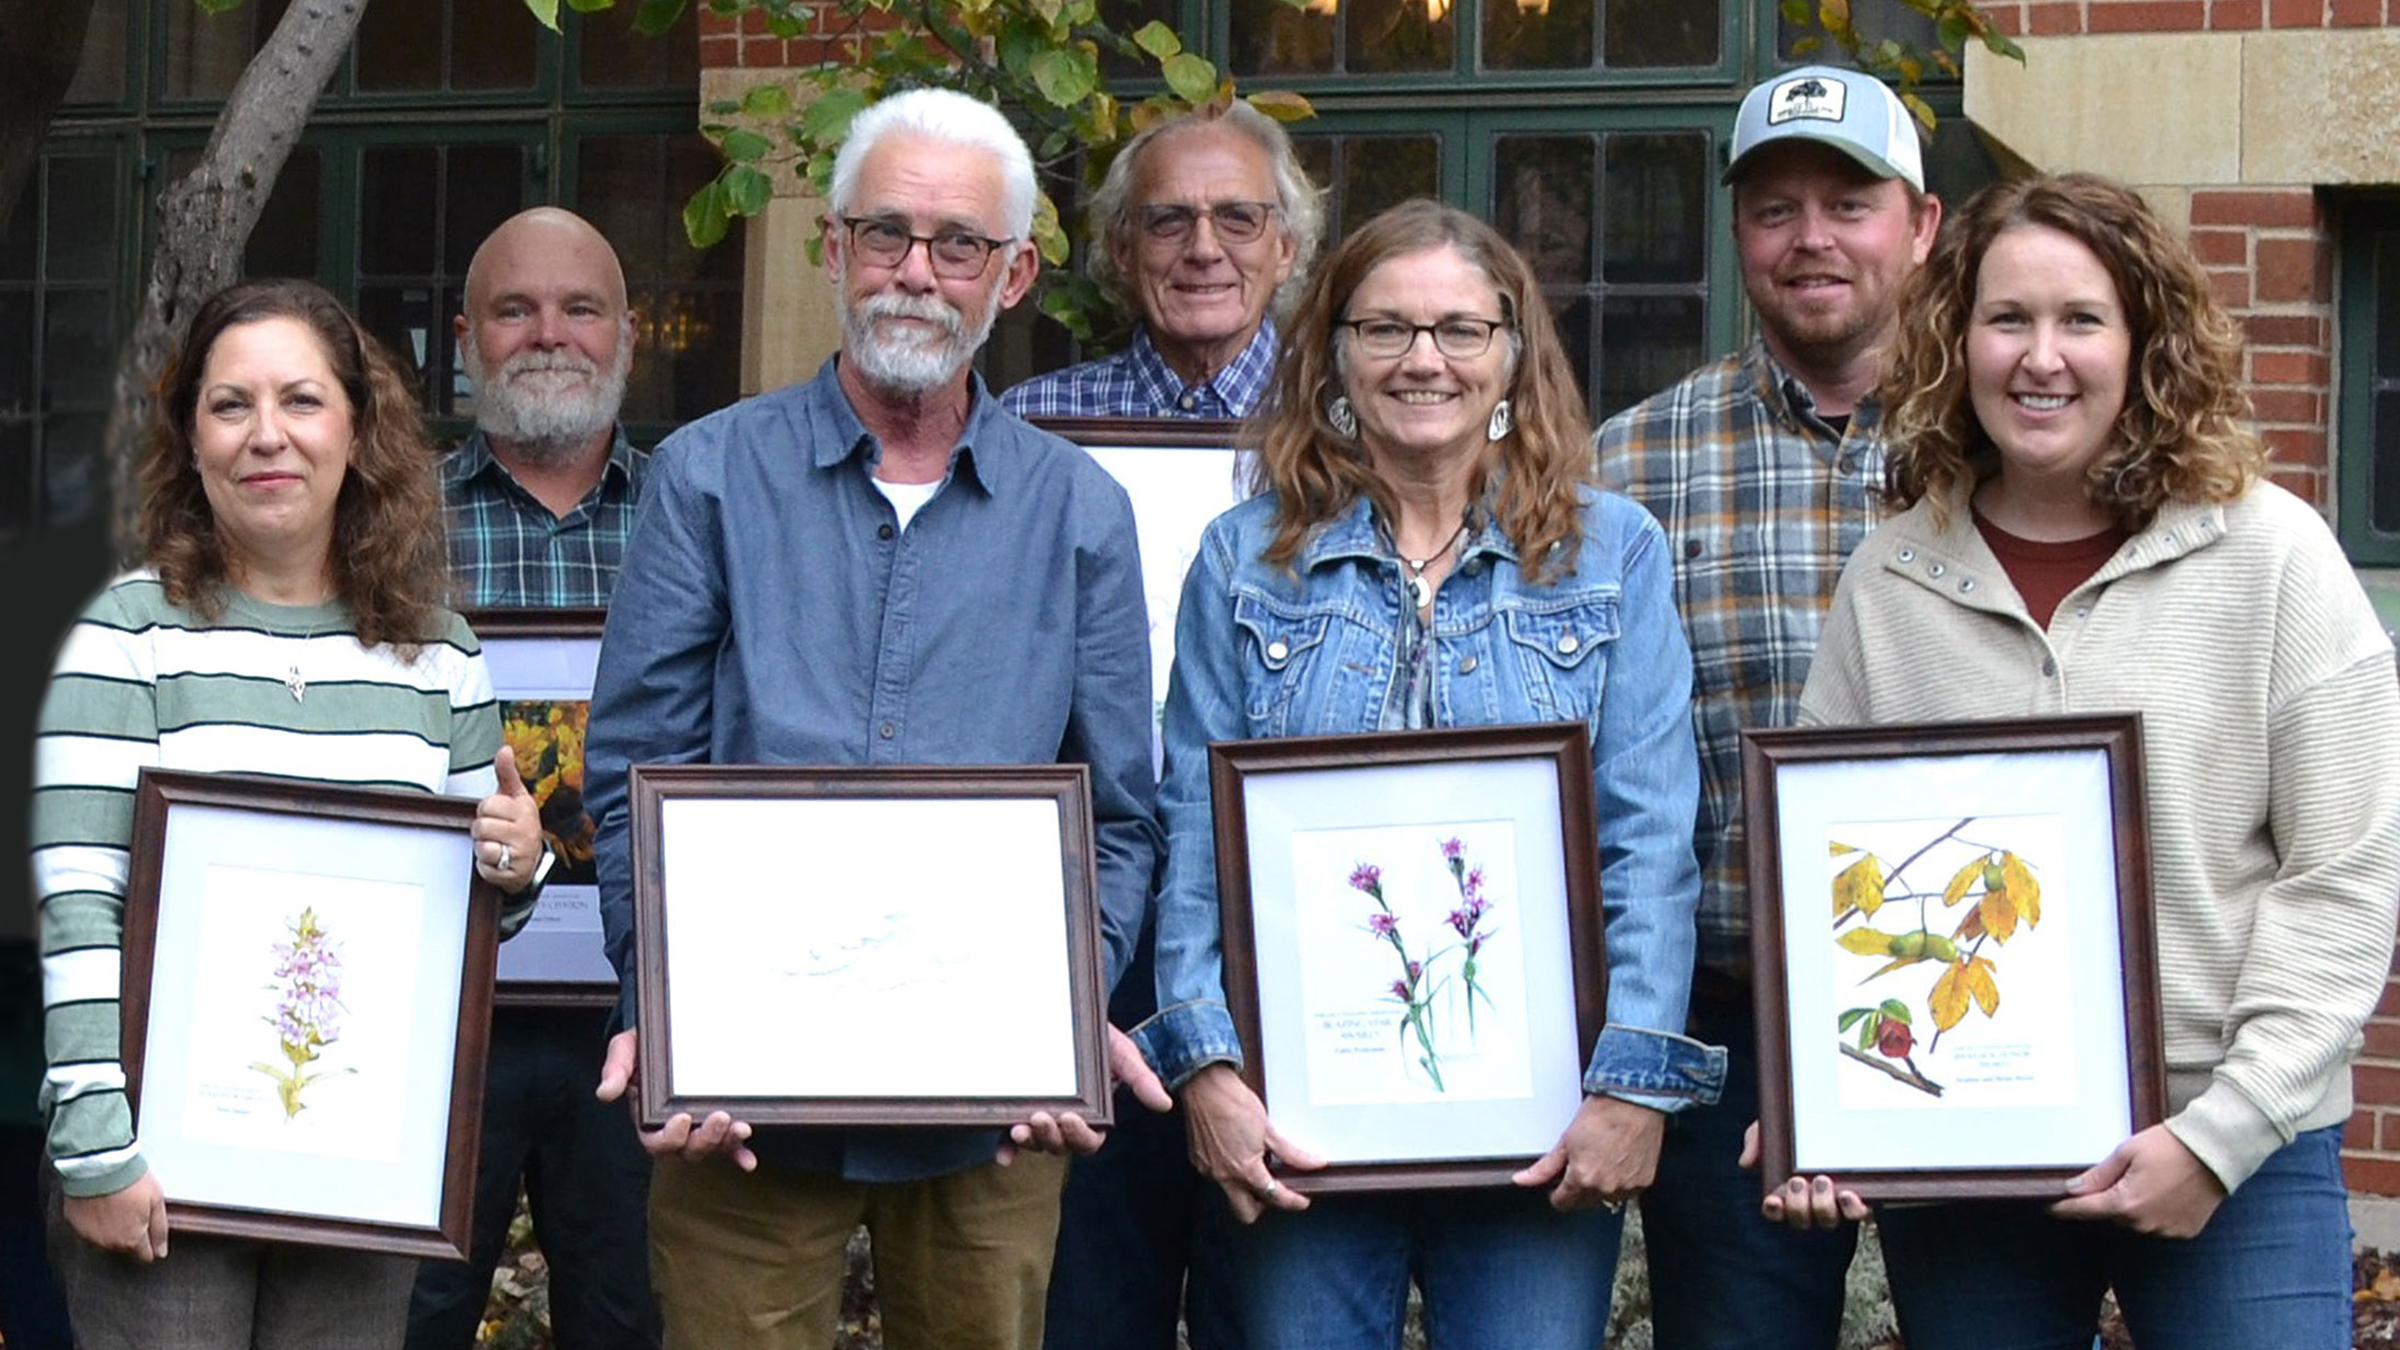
1426,551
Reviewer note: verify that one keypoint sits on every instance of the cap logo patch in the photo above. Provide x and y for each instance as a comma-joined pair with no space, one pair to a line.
1807,98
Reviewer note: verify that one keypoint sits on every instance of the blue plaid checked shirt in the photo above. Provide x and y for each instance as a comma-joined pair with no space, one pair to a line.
1762,503
506,549
1138,382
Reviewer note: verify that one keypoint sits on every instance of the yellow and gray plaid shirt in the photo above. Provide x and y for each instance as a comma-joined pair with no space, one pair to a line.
1762,502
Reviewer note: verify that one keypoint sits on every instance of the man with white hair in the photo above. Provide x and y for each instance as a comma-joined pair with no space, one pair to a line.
880,566
539,501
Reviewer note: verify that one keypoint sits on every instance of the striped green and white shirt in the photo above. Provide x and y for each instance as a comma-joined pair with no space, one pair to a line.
263,689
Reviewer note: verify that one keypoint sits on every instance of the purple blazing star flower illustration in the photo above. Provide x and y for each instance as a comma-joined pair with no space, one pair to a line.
308,1008
1367,877
1382,925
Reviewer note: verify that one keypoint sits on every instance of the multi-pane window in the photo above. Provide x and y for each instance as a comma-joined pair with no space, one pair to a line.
60,301
2369,381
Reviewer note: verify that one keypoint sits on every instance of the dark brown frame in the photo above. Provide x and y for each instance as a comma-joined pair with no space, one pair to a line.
506,624
1068,786
1166,433
1764,751
1232,763
156,796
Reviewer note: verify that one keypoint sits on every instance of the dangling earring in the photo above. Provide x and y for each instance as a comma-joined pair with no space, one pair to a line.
1343,416
1504,420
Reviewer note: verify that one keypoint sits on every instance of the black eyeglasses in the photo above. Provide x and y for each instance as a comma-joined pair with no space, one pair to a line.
1173,222
954,254
1458,339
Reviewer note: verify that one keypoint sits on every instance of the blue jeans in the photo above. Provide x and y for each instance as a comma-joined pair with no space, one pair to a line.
1721,1277
2272,1268
1499,1270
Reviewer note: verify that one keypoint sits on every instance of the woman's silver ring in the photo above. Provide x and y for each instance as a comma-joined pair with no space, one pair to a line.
1271,1187
508,860
1613,1206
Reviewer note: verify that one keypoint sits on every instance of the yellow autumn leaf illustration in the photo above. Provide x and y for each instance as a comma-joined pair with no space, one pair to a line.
1982,985
1999,910
1865,942
1970,927
1949,997
1836,848
1859,886
2022,888
1957,889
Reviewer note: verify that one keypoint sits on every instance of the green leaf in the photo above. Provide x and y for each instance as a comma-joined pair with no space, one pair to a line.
720,107
747,191
1921,109
1048,235
1020,41
767,100
1894,1009
590,6
1065,75
545,12
1193,79
657,16
1998,45
1803,46
744,146
1157,39
1794,11
1283,105
827,120
1952,31
704,218
1850,1019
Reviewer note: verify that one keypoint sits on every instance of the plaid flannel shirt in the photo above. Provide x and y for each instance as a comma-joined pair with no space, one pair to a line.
1762,502
1138,382
506,549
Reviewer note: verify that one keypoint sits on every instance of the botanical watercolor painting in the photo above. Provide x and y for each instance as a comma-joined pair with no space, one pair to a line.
301,1024
307,1015
1948,988
1413,969
547,735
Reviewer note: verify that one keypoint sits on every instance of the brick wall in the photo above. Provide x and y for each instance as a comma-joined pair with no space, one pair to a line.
2271,259
745,43
2055,18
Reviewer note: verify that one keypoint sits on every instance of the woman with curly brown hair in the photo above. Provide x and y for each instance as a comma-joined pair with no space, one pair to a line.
2087,528
1427,551
287,622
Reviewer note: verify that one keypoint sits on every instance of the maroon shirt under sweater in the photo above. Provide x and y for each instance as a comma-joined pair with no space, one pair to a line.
2044,573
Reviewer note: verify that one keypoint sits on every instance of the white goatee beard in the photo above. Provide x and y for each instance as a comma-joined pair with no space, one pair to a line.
904,367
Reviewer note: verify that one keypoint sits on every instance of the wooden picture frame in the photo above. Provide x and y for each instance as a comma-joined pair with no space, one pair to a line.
861,978
2011,1038
1358,877
306,1003
1181,473
542,662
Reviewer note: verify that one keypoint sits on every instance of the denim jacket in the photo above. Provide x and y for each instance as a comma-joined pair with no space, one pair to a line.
1261,651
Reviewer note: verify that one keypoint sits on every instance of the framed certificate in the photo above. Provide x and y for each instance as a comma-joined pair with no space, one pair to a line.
851,946
307,974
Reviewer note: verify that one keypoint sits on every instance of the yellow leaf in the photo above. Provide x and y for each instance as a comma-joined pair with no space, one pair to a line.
1859,887
1970,927
1981,984
1866,942
1889,966
1836,848
1949,998
1999,910
1965,877
2022,888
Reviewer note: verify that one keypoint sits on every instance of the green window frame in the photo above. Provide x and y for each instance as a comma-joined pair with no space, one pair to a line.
2367,381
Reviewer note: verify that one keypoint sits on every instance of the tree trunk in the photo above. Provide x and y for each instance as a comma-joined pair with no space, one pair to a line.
41,42
205,219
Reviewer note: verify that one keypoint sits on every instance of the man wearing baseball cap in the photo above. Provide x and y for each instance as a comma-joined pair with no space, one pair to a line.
1763,466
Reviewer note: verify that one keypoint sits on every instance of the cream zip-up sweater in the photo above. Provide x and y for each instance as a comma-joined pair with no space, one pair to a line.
2271,739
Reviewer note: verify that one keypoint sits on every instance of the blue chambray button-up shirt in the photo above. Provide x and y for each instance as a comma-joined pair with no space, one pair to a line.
1265,651
772,611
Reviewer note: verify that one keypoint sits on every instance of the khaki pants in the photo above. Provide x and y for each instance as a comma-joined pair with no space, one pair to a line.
755,1258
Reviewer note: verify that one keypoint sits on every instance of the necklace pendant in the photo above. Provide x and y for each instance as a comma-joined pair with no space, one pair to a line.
293,682
1421,591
